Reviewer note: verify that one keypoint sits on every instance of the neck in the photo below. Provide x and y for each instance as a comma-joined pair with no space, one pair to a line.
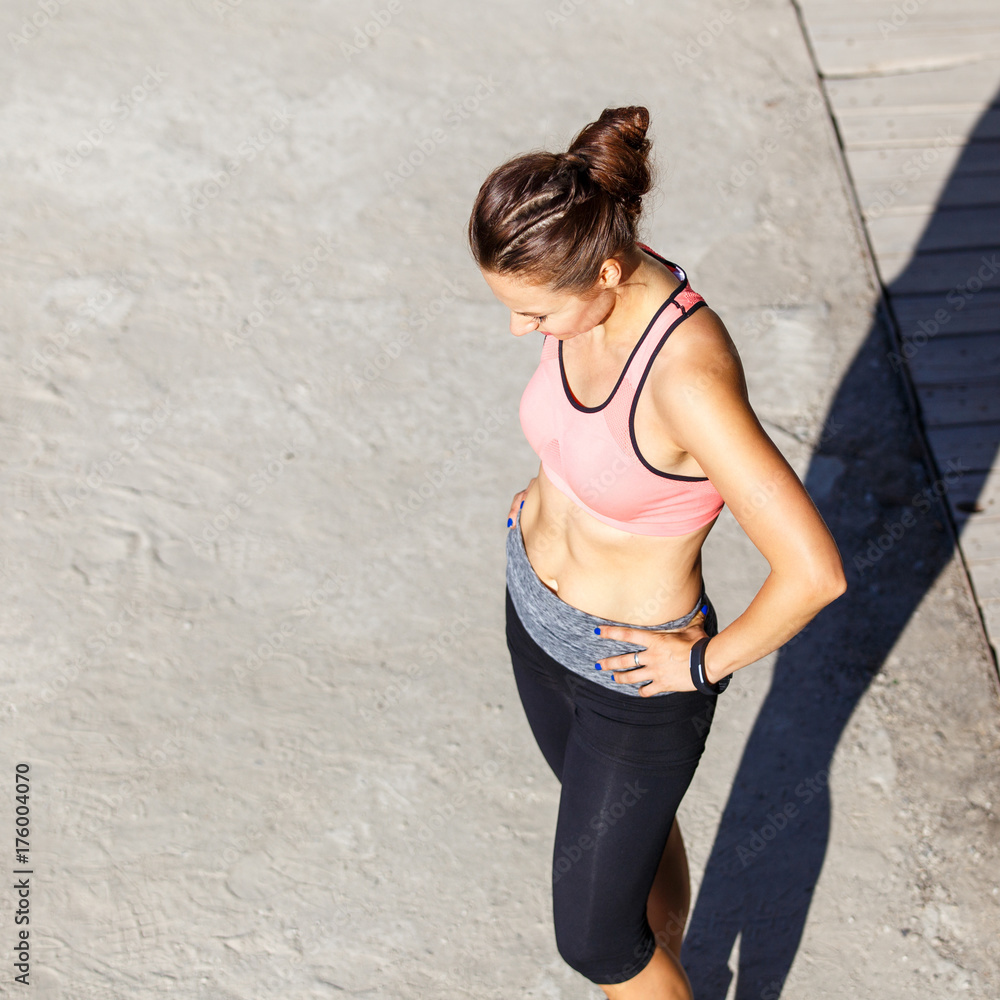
631,303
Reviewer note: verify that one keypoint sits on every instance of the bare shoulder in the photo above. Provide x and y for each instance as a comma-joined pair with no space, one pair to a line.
698,358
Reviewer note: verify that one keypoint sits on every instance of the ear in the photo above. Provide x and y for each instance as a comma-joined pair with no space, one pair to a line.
611,274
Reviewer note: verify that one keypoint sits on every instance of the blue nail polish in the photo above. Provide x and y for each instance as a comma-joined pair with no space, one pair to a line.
522,504
704,610
597,666
597,631
509,522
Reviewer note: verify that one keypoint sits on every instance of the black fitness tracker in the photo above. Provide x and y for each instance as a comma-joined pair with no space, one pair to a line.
698,677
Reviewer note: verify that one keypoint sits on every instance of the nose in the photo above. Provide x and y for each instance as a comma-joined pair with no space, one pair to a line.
520,325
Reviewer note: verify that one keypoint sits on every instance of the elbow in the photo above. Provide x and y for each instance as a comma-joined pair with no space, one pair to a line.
837,586
818,582
827,583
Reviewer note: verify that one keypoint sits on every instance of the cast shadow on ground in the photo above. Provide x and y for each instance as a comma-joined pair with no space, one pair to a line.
867,478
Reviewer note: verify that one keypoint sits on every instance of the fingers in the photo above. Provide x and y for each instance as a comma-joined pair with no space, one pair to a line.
664,661
624,668
516,504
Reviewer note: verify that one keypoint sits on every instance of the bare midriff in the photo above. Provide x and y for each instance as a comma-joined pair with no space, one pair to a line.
607,572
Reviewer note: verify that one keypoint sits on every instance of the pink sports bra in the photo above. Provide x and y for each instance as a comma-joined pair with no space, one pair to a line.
590,452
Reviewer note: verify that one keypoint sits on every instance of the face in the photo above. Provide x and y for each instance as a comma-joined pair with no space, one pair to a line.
537,307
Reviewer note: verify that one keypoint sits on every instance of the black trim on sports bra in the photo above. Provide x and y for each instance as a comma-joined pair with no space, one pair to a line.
562,370
635,399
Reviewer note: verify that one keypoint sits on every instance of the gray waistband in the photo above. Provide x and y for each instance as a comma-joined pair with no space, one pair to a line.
567,633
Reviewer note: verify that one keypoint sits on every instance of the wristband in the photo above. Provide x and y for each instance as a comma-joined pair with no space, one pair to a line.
698,677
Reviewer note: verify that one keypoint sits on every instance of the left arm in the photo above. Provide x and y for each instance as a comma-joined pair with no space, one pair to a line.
703,403
708,411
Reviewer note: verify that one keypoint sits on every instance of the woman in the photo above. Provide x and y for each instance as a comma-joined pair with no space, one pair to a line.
639,413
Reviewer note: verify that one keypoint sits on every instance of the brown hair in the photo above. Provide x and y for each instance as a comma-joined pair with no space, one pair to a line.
554,218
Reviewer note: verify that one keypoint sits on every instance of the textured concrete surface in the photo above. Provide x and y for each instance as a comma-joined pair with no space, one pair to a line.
259,417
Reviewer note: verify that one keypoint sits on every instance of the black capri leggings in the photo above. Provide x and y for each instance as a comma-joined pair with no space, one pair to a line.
624,764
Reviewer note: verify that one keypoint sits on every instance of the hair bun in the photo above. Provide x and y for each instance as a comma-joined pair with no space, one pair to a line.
575,160
616,151
554,218
631,122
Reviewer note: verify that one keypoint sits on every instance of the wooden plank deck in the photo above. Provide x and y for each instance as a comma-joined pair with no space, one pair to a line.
873,37
977,314
960,403
915,92
915,127
946,229
947,362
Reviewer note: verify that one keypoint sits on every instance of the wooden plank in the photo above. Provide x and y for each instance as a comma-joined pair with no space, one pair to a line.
975,491
938,163
977,82
873,22
879,37
846,55
980,538
916,193
945,229
985,574
973,448
991,620
976,496
962,313
889,179
963,403
905,274
955,360
892,128
832,11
